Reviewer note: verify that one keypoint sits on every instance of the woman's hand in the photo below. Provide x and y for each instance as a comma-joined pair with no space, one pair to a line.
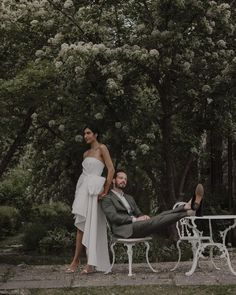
102,195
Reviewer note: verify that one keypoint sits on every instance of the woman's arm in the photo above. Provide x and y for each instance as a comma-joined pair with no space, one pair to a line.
110,169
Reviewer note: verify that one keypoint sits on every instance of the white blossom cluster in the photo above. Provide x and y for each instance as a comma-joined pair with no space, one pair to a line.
68,4
51,123
79,138
144,148
206,88
118,125
98,116
61,127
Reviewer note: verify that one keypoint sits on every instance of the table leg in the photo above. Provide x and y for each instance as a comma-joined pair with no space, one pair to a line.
223,249
224,233
198,253
211,250
225,254
211,256
221,246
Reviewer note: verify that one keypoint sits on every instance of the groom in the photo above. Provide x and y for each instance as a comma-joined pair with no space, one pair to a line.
126,219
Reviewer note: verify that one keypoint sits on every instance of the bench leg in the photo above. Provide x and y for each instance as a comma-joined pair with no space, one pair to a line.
113,258
179,250
130,257
147,251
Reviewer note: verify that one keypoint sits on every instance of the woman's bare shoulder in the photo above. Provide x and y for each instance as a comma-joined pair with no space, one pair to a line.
85,154
103,147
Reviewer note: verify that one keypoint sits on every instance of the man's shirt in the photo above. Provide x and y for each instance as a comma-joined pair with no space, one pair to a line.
125,203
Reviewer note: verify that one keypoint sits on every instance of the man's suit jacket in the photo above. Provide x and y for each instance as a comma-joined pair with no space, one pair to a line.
117,215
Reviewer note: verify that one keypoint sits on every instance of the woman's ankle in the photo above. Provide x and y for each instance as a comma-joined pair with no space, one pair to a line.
74,263
89,267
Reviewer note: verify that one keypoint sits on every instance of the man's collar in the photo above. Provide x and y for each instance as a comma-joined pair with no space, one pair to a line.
120,193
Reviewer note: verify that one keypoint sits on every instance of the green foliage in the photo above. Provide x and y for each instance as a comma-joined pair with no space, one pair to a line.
9,220
50,229
53,214
57,241
163,250
33,233
154,75
13,191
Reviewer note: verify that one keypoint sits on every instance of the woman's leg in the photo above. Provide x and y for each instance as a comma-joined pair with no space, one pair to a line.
78,249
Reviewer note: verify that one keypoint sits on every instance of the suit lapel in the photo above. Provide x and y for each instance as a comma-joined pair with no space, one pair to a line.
129,200
118,199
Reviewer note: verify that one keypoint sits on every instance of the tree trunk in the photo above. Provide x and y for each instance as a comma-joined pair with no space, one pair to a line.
184,175
233,190
230,173
230,186
17,142
156,188
167,182
234,180
216,170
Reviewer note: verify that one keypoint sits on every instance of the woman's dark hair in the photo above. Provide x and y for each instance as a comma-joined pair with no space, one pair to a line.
94,129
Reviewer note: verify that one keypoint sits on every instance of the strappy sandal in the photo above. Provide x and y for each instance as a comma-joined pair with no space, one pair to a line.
71,269
85,271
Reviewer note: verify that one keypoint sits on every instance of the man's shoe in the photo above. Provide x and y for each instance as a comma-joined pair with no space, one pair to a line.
196,202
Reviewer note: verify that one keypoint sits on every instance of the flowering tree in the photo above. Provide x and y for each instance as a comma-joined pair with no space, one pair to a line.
149,72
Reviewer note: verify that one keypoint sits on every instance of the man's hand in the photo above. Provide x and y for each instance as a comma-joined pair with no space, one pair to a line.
142,218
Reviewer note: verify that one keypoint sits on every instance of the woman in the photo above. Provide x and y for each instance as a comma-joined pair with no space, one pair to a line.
89,217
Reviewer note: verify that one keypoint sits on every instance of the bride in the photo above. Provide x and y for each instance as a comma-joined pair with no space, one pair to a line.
89,217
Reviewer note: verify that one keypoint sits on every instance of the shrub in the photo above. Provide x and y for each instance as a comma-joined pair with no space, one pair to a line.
51,228
13,191
33,233
53,215
56,241
9,220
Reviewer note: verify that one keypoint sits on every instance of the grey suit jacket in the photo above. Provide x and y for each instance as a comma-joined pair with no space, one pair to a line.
117,215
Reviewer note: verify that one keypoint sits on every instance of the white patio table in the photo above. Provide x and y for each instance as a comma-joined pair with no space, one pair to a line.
211,243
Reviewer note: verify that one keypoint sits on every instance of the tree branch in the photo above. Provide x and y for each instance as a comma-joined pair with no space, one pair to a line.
17,142
71,19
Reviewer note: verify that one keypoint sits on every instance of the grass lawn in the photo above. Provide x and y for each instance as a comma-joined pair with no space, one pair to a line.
138,290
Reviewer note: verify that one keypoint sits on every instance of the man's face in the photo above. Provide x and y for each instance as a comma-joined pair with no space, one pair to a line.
120,181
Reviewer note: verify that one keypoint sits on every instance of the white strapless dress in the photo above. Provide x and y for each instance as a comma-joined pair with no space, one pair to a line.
89,216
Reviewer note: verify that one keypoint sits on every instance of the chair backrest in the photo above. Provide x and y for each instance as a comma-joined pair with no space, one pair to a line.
185,228
110,236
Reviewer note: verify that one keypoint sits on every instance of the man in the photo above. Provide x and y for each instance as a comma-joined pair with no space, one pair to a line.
126,219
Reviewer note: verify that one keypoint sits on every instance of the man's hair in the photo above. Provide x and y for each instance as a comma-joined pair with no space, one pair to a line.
118,171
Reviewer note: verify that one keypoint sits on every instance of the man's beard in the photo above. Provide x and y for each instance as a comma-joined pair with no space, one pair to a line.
120,186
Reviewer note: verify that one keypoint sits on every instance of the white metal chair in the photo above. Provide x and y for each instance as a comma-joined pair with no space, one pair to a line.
189,233
129,243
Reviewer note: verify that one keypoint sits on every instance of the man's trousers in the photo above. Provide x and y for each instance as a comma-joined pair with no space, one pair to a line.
154,224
